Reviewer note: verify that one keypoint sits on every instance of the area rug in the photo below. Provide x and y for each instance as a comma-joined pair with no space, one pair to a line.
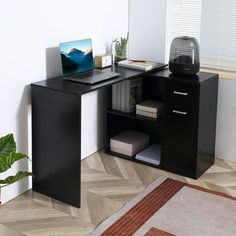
169,207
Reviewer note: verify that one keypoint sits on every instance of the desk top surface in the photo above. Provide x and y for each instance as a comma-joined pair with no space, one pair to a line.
61,84
198,78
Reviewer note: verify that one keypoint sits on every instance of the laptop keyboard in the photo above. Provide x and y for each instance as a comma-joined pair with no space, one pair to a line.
86,74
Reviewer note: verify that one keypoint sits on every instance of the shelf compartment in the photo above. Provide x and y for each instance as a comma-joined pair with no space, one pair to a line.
133,116
116,154
118,122
151,154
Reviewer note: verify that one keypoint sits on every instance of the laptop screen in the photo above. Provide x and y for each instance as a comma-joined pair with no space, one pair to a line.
76,56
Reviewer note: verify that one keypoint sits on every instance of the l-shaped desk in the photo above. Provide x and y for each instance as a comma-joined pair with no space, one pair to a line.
186,129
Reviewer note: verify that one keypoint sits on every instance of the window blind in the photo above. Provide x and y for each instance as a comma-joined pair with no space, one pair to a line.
183,19
218,33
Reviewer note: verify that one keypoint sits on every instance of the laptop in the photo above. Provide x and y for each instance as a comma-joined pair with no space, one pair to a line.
77,63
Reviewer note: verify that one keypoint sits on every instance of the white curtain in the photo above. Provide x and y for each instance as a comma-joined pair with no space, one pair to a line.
218,34
183,19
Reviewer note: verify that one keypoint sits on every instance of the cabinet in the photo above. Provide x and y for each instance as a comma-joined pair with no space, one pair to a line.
187,140
189,124
186,128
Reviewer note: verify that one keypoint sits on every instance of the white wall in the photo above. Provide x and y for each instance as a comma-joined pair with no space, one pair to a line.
93,119
209,30
218,27
212,46
30,33
147,29
226,117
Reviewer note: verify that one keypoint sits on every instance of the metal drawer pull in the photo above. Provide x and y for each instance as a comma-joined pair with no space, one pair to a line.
180,93
180,112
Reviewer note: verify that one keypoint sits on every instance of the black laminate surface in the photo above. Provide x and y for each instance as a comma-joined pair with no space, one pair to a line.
56,138
56,133
59,83
189,123
200,77
187,141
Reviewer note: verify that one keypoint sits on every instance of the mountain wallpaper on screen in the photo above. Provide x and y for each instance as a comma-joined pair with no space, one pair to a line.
76,61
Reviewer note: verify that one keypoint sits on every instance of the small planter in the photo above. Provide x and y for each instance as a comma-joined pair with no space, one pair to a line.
12,181
120,49
120,58
11,191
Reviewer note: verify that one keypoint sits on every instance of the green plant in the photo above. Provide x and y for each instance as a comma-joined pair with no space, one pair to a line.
121,46
8,156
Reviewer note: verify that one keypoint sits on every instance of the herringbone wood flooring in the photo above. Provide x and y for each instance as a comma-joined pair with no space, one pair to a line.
107,184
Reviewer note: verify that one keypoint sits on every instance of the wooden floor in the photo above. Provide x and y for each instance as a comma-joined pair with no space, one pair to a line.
107,184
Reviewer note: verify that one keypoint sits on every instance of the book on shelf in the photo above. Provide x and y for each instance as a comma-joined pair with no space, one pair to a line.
126,94
133,94
118,96
114,96
151,154
137,64
129,142
148,114
149,106
123,96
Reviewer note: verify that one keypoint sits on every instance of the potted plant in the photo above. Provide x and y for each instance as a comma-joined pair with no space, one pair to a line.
8,156
120,48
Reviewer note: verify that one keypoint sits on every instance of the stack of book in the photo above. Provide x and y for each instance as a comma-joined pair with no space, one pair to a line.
129,142
151,154
137,64
149,108
126,94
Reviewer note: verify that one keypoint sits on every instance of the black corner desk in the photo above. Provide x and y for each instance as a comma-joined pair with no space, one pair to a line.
185,130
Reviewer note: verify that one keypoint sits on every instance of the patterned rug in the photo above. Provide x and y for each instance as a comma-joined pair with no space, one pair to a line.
169,207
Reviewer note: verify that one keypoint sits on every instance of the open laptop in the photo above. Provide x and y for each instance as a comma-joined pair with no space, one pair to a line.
77,63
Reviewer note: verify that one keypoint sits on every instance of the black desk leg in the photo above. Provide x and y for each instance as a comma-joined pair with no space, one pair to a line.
56,140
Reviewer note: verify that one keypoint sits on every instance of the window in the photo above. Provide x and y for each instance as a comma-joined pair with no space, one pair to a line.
218,34
212,22
183,19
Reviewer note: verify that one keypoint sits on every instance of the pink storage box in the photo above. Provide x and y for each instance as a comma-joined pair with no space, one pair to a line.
129,142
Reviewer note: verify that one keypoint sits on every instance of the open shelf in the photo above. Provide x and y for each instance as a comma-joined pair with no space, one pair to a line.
133,116
119,121
116,154
181,138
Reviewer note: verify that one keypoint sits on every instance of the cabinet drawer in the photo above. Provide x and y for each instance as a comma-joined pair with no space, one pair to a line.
180,140
178,115
181,93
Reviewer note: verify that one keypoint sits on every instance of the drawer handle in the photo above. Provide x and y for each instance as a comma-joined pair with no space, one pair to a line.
180,93
180,112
